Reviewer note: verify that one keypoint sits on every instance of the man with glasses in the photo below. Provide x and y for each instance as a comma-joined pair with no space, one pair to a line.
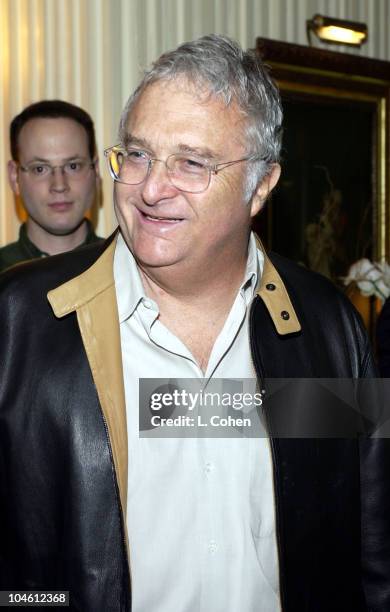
127,516
55,173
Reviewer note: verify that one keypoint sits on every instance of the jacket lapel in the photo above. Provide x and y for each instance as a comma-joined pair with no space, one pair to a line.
274,294
92,296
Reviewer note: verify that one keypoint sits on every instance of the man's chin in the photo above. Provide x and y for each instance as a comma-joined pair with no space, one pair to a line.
156,259
156,262
155,253
63,230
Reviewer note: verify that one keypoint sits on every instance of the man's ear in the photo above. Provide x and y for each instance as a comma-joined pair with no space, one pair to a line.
264,189
12,168
96,167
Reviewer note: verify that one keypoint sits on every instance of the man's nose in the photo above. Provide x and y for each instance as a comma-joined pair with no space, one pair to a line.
157,184
58,179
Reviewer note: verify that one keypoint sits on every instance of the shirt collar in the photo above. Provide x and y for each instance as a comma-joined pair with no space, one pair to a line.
253,271
29,247
33,252
128,284
86,289
91,236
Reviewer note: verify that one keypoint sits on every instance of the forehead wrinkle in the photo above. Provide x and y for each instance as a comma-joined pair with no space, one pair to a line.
202,151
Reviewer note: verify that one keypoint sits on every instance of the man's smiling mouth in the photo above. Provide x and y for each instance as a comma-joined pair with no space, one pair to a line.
158,219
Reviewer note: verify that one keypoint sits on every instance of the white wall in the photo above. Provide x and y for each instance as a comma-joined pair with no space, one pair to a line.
92,52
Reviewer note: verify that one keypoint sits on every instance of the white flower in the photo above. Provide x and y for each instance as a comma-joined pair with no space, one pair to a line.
371,278
385,272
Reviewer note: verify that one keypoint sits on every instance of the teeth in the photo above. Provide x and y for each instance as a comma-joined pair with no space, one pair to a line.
160,218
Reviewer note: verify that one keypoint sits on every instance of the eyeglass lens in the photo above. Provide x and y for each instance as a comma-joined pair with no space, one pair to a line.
184,172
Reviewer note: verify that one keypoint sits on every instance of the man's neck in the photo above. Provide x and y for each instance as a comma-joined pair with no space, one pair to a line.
195,308
53,244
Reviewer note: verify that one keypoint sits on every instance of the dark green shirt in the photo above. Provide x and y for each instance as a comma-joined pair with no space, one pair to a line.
23,249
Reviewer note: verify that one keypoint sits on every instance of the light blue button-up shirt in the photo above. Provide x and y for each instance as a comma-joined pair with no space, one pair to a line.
200,512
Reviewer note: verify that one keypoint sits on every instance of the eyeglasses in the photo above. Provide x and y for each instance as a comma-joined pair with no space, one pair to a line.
75,170
189,173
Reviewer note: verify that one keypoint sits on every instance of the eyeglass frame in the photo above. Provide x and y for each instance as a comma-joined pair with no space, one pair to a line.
26,169
212,168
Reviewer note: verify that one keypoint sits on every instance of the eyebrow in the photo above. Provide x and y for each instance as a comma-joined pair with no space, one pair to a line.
49,161
204,152
129,139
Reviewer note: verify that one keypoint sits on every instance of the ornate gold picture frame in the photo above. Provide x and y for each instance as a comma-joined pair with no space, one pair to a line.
334,196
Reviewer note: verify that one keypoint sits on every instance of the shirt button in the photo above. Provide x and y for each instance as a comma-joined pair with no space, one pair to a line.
285,315
270,287
208,467
213,546
147,304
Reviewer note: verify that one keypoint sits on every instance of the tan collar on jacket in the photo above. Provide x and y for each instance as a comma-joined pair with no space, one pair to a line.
92,296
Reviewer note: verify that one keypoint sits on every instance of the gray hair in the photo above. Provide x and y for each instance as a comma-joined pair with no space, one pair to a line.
233,75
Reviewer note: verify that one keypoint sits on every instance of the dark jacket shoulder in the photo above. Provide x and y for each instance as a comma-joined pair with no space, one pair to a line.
332,340
38,276
9,255
24,249
314,295
313,285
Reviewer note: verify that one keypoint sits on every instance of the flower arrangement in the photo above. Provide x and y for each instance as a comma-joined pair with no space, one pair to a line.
372,278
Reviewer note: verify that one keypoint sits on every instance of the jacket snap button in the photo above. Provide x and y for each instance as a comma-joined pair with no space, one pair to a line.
284,314
270,287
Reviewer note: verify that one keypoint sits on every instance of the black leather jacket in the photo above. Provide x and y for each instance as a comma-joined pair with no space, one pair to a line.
383,339
61,473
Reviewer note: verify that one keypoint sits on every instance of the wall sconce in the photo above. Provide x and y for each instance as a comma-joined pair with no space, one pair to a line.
337,31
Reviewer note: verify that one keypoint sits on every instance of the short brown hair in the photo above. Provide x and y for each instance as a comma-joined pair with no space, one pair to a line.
54,109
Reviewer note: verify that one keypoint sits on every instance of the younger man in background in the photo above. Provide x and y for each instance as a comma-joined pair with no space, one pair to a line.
54,170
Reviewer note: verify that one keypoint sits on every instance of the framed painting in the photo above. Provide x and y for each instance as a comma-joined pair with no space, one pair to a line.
332,204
